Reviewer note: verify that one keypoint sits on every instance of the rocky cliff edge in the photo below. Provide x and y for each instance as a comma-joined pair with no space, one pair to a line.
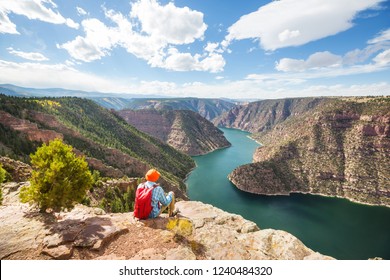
200,231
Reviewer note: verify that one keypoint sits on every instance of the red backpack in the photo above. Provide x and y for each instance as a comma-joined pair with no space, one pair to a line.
143,202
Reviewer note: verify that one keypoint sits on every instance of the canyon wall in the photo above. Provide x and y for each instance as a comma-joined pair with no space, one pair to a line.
184,130
341,149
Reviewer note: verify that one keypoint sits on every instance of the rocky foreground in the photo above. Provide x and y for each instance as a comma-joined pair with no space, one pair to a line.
200,231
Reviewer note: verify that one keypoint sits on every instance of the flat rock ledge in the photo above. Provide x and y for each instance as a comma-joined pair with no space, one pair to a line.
24,231
199,231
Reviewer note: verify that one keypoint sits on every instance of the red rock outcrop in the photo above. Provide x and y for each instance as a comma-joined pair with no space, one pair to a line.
30,129
19,171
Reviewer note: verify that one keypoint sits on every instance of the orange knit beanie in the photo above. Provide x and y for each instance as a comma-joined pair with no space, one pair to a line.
152,175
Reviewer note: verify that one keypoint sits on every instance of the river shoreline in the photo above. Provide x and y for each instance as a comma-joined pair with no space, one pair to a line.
310,193
206,153
313,194
331,225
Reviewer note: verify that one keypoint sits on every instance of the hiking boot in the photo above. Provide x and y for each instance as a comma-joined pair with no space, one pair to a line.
174,213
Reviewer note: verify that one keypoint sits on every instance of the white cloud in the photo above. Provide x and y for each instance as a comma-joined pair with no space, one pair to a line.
178,61
289,64
151,33
379,43
383,59
382,37
326,64
6,26
293,23
212,47
32,74
259,90
95,45
35,10
153,87
83,50
81,11
170,23
65,76
315,61
28,55
70,63
379,63
344,90
359,56
252,49
213,63
322,60
69,22
287,35
149,48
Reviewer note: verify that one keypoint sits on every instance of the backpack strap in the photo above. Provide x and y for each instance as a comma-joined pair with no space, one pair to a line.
143,185
153,187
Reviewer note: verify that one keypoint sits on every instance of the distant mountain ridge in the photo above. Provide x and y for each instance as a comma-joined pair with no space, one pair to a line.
184,130
263,115
13,90
207,108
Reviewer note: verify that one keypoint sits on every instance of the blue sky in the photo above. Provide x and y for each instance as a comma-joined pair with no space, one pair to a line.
215,48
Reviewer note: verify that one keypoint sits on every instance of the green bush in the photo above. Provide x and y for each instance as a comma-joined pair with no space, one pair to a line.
96,176
2,177
117,206
117,201
2,174
86,201
59,177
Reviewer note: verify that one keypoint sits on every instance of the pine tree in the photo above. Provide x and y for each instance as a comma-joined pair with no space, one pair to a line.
59,177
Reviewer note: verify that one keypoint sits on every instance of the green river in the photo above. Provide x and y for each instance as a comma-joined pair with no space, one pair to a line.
331,226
